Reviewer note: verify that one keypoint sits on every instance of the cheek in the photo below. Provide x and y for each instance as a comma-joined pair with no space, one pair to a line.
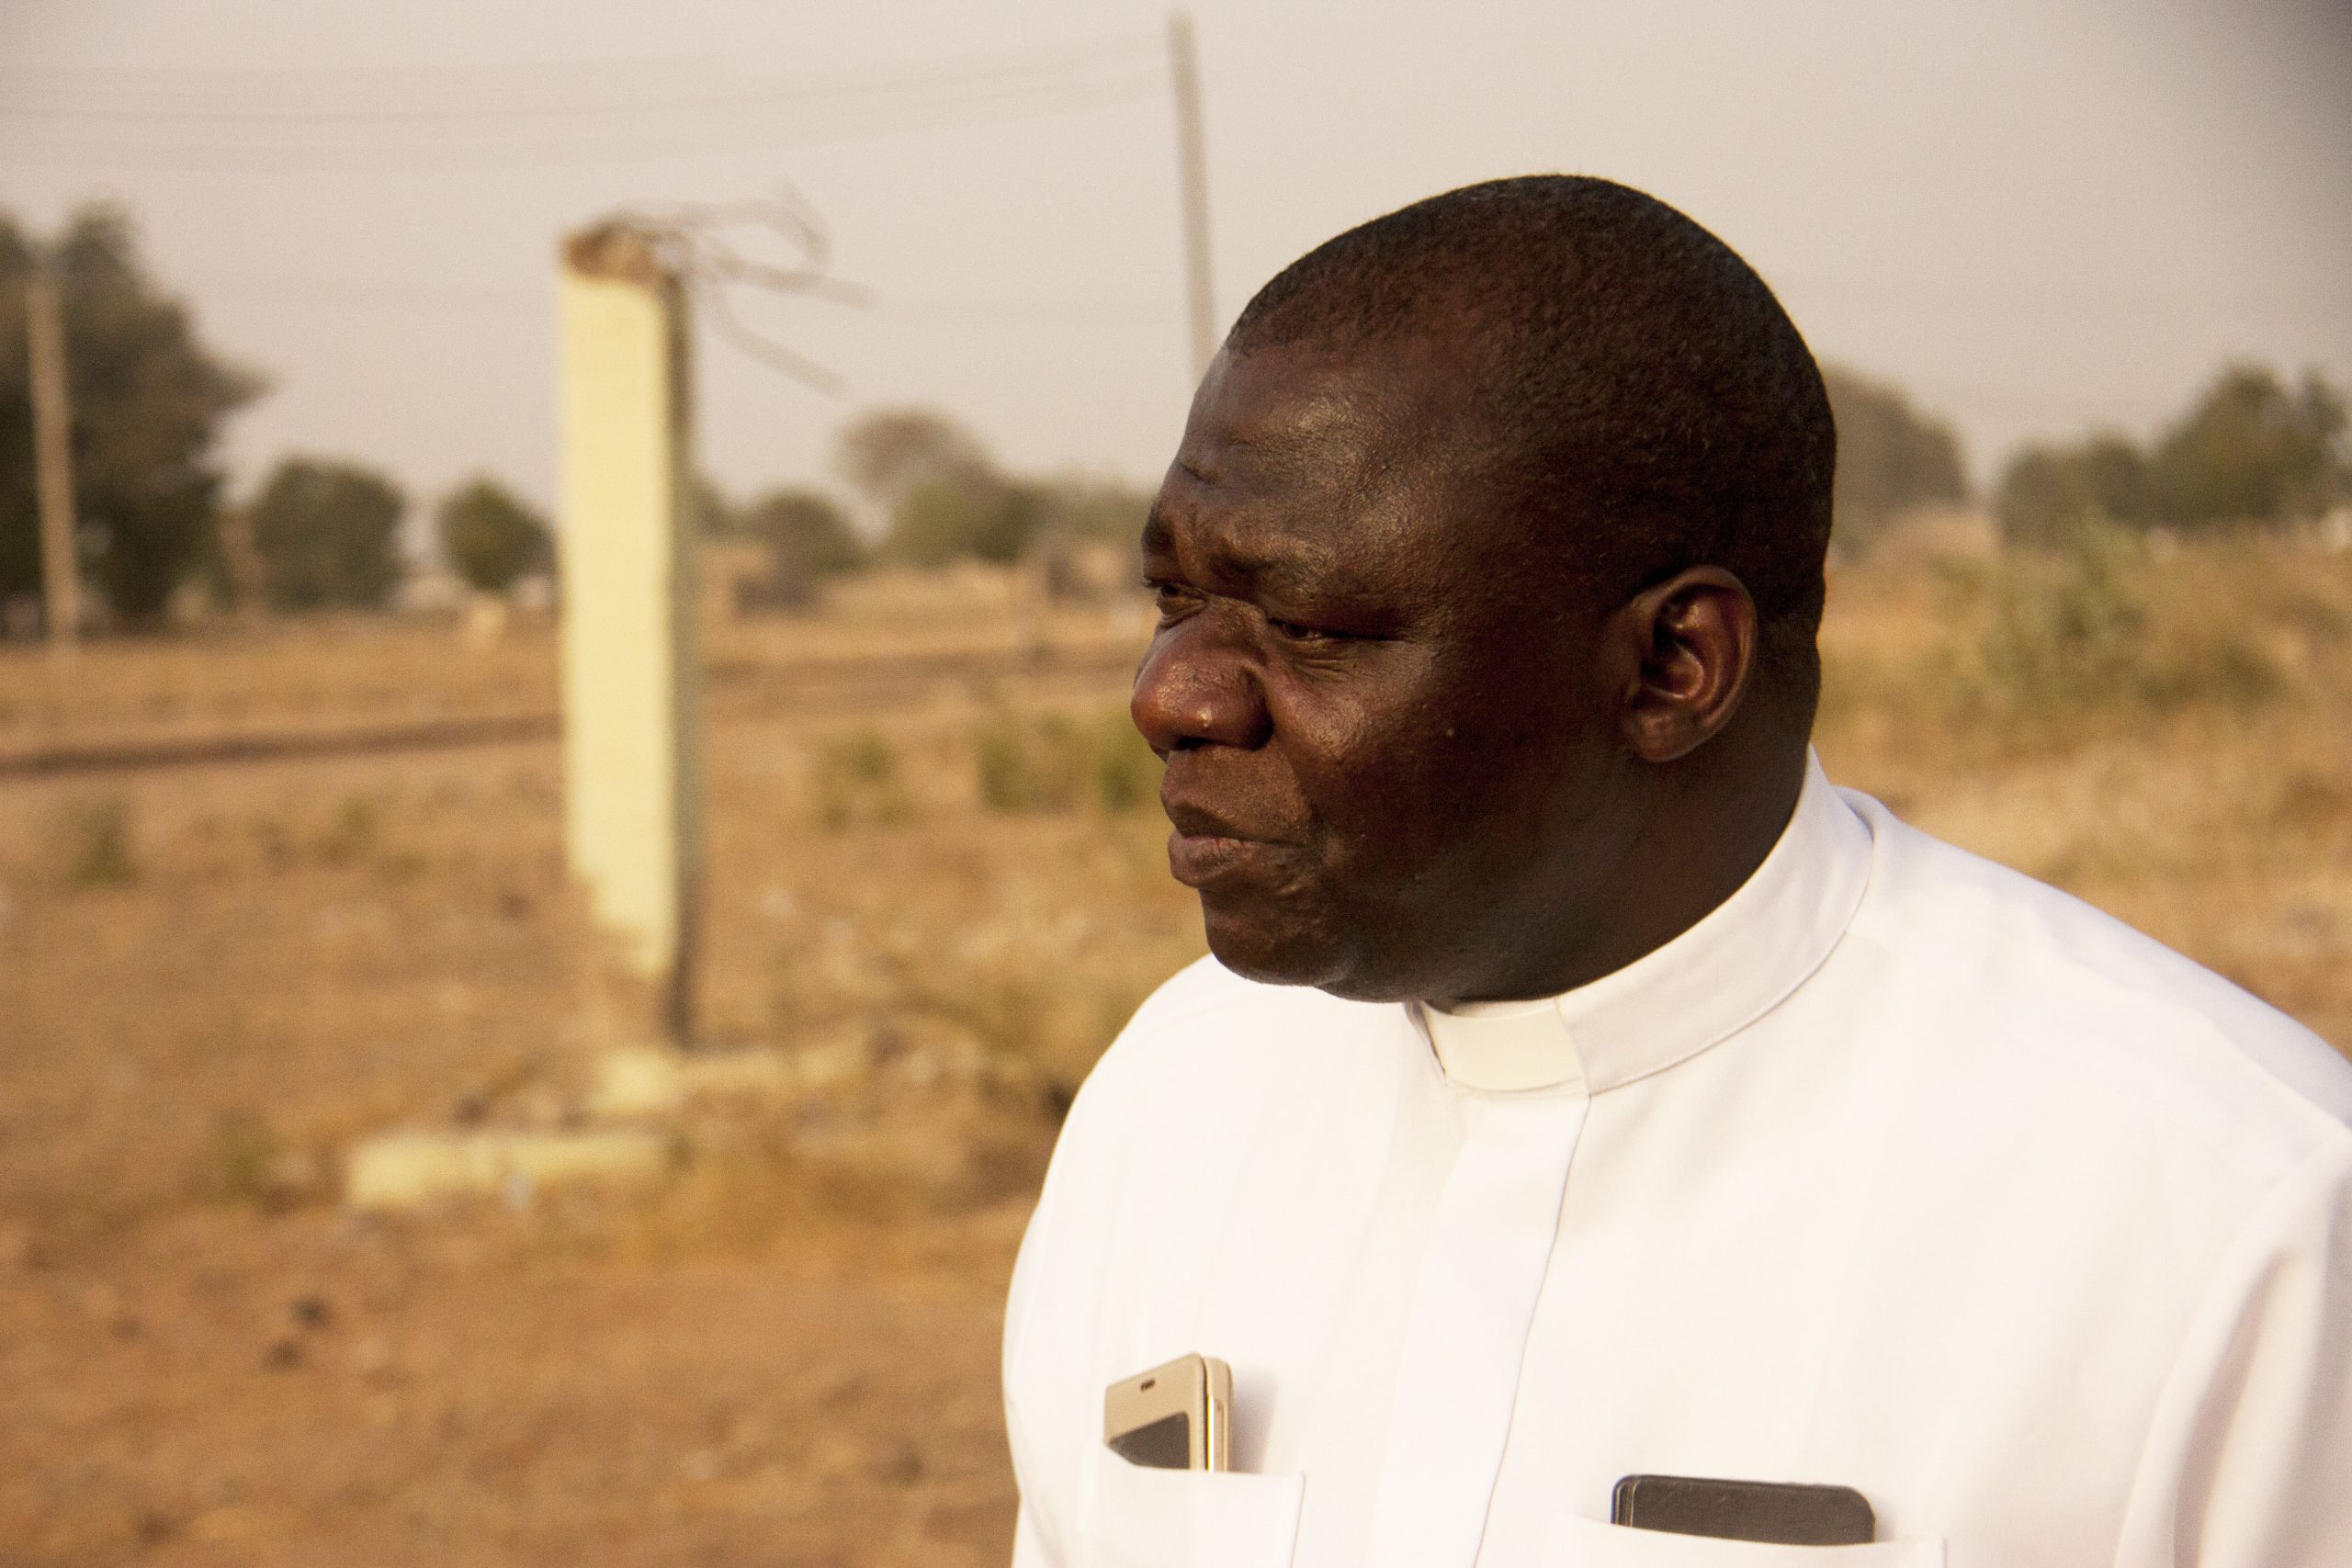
1453,778
1385,783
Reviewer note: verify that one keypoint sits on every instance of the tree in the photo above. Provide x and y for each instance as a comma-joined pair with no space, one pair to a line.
891,453
808,530
2250,450
490,538
148,400
808,539
2051,495
945,497
1890,457
980,517
1078,517
328,534
713,514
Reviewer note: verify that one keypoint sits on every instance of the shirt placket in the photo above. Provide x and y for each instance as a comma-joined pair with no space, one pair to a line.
1474,1304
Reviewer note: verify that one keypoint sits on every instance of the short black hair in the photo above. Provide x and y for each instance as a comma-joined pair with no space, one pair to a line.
1642,392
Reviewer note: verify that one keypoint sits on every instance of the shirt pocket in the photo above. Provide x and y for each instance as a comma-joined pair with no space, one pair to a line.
1578,1543
1137,1517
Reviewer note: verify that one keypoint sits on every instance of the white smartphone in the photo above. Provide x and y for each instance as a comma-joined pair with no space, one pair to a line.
1177,1417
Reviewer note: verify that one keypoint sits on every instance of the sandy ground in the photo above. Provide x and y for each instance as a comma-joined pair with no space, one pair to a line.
215,976
235,1388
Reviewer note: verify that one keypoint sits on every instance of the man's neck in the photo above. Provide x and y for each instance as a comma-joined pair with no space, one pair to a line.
1697,838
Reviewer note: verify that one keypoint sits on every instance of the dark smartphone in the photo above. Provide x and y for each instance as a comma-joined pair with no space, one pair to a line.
1744,1510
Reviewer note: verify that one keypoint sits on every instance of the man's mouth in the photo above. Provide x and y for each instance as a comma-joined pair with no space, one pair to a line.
1205,851
1206,861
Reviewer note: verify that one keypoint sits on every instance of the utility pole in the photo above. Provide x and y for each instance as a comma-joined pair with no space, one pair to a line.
1192,160
61,583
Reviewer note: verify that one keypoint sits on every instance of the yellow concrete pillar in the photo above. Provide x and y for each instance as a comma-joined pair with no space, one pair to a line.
631,676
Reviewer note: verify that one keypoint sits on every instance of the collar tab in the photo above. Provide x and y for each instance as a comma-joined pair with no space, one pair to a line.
1503,1047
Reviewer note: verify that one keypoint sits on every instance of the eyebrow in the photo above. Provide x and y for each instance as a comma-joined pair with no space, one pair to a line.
1282,572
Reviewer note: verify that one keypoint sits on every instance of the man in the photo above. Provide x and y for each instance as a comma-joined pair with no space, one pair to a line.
1582,1087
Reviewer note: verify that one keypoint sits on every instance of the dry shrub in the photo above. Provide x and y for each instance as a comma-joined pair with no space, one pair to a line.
2118,640
859,783
95,842
1052,762
352,834
2116,631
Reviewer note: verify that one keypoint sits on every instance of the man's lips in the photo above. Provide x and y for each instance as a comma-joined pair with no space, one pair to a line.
1205,861
1207,850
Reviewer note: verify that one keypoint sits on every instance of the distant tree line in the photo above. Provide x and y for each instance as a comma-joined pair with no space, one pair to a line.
2249,449
943,497
149,398
326,535
1892,459
937,496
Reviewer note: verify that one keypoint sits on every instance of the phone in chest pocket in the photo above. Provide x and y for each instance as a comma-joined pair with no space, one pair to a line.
1744,1510
1176,1417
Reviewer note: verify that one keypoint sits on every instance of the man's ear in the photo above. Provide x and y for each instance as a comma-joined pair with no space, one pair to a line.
1693,642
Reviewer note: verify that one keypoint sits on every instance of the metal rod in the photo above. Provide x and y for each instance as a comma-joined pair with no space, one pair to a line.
1184,71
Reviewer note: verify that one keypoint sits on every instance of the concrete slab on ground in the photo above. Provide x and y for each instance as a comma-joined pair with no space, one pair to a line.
410,1170
651,1081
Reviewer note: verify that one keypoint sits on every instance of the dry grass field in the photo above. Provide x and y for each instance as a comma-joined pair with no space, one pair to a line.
935,857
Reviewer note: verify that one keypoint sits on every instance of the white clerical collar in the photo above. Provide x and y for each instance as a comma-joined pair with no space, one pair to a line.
1739,961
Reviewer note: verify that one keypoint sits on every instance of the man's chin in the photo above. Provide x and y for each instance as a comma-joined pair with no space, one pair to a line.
1275,950
1280,948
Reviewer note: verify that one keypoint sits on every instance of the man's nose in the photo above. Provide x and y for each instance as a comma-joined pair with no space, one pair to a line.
1195,688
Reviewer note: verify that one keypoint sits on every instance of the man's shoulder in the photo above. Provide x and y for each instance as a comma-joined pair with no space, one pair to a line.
2071,995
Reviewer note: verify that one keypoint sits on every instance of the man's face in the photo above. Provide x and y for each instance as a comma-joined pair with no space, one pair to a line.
1391,753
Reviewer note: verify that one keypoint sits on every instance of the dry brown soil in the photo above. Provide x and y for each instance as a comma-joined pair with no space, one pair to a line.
215,975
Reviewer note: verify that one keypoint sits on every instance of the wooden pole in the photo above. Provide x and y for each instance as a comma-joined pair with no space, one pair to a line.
61,580
1192,161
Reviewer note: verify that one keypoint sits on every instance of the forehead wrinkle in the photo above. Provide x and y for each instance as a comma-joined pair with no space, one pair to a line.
1232,543
1253,546
1300,470
1297,447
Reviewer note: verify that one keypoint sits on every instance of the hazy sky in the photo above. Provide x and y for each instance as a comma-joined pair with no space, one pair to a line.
2040,216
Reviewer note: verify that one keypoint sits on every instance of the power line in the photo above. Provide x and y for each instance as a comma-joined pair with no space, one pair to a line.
409,293
184,156
210,133
386,293
204,92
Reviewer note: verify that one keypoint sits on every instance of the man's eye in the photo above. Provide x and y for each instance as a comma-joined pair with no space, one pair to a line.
1292,631
1169,597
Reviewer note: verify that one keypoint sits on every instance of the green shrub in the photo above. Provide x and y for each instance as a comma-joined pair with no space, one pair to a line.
858,783
96,837
1052,762
1029,765
245,1155
352,834
1126,775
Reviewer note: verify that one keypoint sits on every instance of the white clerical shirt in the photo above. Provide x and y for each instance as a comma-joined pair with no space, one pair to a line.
1898,1171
